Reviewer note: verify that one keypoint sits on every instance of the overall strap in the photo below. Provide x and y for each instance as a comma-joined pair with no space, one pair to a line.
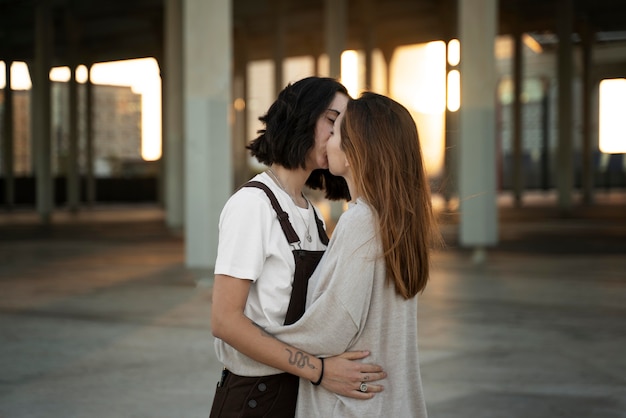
320,229
283,217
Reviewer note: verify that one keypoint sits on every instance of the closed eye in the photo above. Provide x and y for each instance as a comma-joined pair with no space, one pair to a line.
332,115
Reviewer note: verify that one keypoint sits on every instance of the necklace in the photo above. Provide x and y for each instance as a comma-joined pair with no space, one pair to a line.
275,178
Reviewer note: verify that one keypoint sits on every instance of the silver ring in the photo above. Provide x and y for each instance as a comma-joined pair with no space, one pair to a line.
363,387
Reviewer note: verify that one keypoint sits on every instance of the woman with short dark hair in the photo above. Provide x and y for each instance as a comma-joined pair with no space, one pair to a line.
270,241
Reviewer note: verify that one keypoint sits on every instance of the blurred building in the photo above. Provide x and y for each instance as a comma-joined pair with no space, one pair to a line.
116,129
116,135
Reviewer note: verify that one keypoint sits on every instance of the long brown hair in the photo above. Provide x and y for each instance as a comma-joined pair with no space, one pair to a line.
381,143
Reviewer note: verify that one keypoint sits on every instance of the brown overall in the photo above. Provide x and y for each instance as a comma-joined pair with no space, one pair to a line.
275,395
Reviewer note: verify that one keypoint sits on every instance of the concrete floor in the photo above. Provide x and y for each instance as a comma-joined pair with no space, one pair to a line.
99,318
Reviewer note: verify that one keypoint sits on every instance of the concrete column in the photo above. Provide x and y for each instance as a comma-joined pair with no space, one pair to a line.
208,164
451,148
73,179
173,116
72,173
448,11
336,22
240,123
518,152
316,63
89,148
32,123
278,45
41,112
587,61
594,97
477,170
545,136
388,56
565,175
368,14
8,140
160,174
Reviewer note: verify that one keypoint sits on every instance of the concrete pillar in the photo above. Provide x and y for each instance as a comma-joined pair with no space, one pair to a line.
278,45
41,112
173,119
518,151
545,136
240,124
587,86
368,13
72,172
335,24
388,56
89,148
316,64
448,11
208,164
477,171
73,175
32,123
565,175
451,146
160,175
8,140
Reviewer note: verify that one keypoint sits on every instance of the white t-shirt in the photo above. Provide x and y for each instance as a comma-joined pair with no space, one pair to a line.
252,246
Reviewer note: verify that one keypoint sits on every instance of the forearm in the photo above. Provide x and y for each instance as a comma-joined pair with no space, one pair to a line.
252,340
230,324
341,375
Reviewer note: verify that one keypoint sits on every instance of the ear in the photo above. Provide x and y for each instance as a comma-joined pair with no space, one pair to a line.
346,162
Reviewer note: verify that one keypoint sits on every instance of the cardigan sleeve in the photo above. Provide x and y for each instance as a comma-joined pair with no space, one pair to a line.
340,299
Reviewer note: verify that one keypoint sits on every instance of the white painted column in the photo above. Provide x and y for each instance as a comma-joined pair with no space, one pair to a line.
477,170
42,146
8,140
173,116
208,164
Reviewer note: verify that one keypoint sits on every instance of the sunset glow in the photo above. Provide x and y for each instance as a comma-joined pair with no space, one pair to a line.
142,75
612,122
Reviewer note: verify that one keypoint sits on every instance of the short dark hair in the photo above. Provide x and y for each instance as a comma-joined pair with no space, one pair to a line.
289,132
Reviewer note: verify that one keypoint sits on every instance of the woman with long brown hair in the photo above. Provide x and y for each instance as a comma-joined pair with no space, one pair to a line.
363,295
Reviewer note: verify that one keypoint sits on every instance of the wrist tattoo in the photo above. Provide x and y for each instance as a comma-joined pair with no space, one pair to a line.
299,359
